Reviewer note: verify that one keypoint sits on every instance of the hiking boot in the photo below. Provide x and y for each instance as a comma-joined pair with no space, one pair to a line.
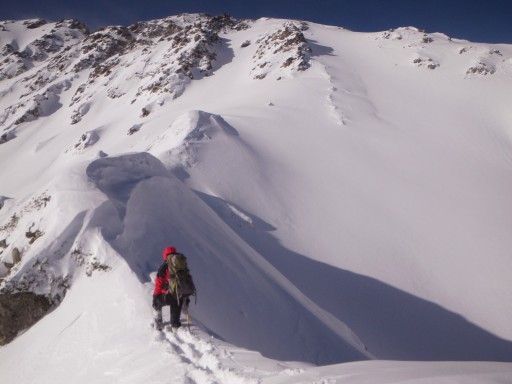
175,326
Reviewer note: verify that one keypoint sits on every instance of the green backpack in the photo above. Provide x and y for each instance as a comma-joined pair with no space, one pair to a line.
181,284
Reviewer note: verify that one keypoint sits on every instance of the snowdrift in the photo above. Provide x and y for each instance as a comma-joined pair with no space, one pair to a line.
154,209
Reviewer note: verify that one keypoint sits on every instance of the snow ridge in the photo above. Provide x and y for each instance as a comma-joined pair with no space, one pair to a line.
341,197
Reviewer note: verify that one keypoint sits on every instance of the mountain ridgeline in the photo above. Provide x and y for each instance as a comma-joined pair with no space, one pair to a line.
341,196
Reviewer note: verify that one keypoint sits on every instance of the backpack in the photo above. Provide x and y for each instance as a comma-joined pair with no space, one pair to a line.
181,284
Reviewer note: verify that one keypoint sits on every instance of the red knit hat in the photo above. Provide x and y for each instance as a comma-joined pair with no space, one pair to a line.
168,251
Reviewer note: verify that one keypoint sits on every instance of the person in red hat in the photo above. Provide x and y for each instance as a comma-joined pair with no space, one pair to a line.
161,295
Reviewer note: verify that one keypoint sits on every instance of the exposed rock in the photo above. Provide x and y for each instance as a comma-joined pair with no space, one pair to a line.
286,47
13,222
481,68
45,46
32,24
77,115
224,21
16,255
87,139
391,35
115,93
133,129
427,62
192,42
19,311
91,263
33,236
145,112
68,48
38,202
4,138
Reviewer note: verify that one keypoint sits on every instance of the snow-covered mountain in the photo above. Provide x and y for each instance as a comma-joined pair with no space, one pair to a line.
341,197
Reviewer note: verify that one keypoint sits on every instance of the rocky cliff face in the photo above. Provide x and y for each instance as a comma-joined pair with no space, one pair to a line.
165,56
18,312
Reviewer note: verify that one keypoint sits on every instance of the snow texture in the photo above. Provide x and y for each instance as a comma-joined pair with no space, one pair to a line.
342,198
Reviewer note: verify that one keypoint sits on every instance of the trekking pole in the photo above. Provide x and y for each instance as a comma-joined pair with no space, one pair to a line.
187,315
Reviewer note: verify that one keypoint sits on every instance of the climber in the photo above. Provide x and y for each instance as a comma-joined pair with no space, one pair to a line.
173,286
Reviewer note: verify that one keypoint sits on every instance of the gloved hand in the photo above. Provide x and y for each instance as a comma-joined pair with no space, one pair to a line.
155,301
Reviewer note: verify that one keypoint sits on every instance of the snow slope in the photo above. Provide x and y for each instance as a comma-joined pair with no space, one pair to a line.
341,197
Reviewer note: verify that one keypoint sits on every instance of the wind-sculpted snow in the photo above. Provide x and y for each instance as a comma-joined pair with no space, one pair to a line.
193,131
239,292
333,191
116,177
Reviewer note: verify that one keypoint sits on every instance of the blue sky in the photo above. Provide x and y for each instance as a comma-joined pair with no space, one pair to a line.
479,21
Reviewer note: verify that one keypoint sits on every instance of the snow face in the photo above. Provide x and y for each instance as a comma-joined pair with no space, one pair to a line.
340,197
147,201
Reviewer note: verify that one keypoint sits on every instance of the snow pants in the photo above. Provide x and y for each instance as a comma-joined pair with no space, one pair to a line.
162,300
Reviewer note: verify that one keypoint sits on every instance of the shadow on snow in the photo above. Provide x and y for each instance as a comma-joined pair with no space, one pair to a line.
392,323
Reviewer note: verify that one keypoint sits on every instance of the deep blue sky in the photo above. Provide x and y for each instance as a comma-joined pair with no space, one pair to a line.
476,20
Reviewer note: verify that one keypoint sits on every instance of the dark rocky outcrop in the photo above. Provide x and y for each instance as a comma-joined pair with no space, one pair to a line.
19,311
287,45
